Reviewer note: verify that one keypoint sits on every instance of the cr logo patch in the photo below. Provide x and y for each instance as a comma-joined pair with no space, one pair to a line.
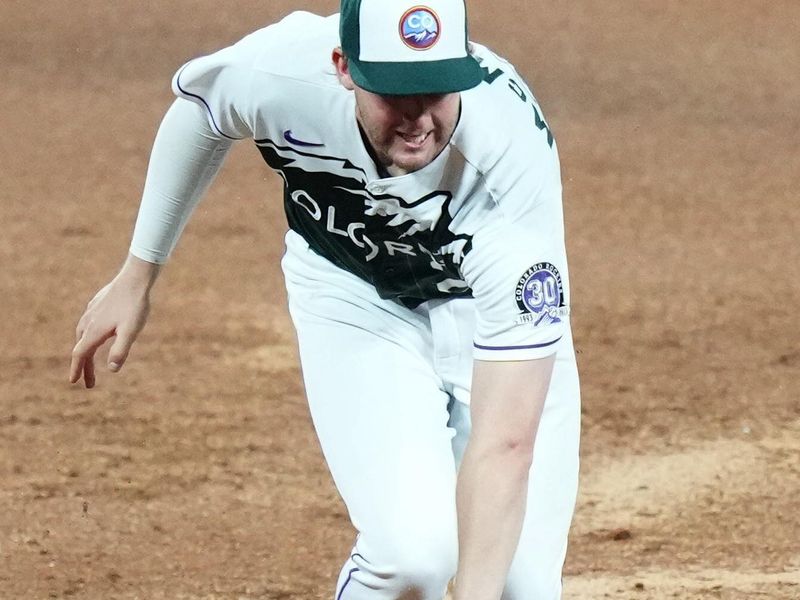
420,28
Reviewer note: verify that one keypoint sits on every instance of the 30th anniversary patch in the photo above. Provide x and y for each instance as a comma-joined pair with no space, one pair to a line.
540,295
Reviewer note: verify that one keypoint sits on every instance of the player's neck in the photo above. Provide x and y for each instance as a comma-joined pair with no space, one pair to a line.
383,170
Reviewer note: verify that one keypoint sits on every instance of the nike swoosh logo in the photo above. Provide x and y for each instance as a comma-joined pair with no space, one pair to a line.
287,135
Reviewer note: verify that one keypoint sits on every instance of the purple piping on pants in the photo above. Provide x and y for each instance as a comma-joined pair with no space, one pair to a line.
350,574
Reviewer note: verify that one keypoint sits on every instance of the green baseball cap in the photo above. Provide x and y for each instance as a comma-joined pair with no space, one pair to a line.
403,47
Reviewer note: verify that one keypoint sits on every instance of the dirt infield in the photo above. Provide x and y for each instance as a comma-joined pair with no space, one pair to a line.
195,472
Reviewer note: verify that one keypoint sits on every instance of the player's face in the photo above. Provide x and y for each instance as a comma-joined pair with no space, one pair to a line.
406,132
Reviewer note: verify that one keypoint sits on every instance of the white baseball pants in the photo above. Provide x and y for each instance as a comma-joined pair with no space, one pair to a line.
388,390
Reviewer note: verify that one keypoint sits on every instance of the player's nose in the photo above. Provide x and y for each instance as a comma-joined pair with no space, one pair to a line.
414,107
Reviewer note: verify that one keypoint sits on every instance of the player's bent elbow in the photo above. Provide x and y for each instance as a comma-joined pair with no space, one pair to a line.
519,452
510,453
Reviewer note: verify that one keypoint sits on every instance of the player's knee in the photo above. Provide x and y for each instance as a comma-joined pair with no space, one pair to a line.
424,566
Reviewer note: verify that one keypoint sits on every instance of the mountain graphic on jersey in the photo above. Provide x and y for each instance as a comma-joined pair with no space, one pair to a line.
403,247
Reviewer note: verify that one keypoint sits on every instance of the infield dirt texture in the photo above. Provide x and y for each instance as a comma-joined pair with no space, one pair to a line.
195,473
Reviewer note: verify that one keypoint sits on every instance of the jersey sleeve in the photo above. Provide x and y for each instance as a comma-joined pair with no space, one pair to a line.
517,266
220,86
520,284
229,82
244,86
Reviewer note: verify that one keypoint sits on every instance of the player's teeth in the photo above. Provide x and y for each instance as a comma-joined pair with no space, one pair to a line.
414,139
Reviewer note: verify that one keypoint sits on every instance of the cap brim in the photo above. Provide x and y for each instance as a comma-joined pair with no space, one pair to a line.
411,78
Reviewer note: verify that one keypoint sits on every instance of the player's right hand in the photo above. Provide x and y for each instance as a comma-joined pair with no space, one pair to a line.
119,310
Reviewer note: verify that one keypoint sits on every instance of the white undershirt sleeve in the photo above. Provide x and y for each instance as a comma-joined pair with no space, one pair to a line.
186,156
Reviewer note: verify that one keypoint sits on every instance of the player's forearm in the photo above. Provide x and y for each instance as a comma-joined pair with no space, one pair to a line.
506,406
492,493
186,157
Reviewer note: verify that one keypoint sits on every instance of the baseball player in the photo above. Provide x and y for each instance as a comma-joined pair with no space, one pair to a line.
427,281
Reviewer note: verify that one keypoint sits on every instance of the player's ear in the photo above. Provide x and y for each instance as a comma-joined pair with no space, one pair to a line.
342,70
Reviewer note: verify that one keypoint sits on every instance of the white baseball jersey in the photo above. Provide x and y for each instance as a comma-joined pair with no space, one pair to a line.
484,219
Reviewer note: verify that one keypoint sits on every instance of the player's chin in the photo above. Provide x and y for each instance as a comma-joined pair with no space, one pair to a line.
413,159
